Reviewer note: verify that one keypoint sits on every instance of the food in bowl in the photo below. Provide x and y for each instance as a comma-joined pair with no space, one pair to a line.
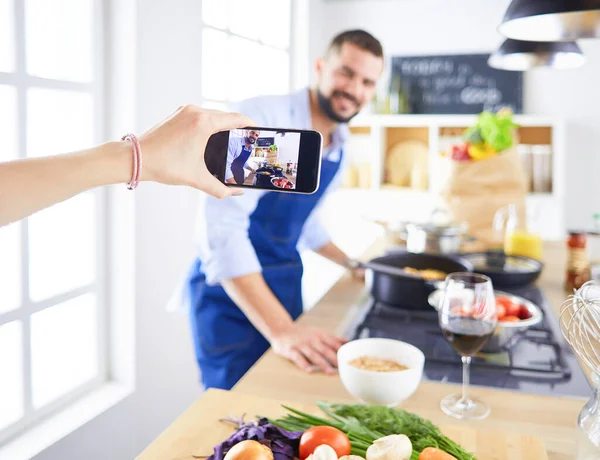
381,388
369,363
282,182
428,274
508,310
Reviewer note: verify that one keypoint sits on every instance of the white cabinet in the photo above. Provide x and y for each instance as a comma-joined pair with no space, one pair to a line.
397,159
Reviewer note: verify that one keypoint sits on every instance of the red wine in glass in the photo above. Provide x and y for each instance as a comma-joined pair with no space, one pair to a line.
467,335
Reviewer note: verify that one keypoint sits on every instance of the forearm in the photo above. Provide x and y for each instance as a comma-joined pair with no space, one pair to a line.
254,297
29,185
332,252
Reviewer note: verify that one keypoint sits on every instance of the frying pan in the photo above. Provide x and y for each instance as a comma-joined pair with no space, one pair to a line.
392,285
506,271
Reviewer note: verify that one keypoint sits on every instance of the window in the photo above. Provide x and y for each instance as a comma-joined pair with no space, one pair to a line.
51,310
245,50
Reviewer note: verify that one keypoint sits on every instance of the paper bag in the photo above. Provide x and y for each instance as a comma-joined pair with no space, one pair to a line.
474,190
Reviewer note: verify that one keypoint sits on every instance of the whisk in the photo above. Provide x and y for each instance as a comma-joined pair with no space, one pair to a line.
580,325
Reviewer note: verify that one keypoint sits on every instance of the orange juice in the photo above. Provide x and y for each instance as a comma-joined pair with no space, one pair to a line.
522,243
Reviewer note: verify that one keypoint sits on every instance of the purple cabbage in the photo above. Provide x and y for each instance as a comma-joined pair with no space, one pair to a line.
283,443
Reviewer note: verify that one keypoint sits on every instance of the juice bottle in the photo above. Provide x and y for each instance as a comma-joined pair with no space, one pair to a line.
518,239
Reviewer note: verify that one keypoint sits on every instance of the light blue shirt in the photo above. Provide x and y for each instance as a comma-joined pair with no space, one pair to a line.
223,244
236,145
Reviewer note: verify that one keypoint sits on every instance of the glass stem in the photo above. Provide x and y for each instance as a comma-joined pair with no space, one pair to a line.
465,386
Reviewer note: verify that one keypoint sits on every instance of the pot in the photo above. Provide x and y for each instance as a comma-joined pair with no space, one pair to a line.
405,290
434,237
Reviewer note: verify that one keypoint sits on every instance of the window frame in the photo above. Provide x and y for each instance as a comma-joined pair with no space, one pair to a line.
22,81
289,50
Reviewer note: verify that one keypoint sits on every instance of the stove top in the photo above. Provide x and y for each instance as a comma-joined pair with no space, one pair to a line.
537,361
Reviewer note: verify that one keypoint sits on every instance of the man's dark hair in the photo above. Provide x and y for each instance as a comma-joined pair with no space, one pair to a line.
360,38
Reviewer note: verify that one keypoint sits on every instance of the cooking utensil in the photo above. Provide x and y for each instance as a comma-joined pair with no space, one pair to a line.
439,236
580,325
505,331
506,271
392,285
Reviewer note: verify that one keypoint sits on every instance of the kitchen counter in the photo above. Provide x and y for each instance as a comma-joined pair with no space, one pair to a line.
553,419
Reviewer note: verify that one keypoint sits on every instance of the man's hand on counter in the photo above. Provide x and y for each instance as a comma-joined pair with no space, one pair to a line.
308,347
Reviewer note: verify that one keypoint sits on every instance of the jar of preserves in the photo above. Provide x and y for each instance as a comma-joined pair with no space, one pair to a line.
578,266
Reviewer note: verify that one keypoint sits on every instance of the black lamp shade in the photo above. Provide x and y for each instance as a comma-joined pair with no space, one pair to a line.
524,55
551,20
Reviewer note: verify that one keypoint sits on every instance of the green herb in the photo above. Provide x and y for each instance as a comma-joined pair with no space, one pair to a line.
365,424
422,433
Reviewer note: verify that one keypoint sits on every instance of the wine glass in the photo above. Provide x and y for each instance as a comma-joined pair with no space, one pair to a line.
467,316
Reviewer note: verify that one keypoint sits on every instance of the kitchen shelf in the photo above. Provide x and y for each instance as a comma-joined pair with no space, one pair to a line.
375,136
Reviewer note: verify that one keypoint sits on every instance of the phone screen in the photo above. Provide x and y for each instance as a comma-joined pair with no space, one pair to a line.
283,160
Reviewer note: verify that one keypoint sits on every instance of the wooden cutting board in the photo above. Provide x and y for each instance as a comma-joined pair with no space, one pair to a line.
198,430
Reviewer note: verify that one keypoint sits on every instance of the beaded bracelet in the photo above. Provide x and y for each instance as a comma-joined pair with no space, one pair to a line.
137,160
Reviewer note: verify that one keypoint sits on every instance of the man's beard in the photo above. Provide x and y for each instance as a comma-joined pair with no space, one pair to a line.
327,107
250,140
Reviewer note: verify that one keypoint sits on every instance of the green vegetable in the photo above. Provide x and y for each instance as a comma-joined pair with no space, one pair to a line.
272,147
493,129
364,424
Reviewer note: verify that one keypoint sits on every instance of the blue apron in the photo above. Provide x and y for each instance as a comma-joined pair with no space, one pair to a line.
237,165
226,343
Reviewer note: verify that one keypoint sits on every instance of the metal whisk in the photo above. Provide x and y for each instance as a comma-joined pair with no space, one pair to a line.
580,324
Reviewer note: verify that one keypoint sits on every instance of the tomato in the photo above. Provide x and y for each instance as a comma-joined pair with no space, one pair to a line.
504,301
510,319
317,435
514,309
524,312
500,311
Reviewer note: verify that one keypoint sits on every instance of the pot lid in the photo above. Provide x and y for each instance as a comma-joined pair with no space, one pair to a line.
448,229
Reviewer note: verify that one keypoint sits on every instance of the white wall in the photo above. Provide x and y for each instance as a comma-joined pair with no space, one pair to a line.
415,27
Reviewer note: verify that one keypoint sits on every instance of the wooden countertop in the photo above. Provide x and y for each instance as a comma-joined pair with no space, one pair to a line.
553,419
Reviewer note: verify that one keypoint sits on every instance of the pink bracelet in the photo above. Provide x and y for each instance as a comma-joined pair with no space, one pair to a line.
137,160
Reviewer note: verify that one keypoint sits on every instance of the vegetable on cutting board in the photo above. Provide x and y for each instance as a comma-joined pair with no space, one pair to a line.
323,452
249,450
319,435
365,424
282,443
431,453
392,447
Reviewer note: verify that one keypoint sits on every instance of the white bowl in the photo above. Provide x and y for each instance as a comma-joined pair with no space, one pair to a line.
381,388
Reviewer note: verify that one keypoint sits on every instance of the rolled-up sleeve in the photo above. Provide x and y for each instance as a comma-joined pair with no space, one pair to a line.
223,243
224,246
231,155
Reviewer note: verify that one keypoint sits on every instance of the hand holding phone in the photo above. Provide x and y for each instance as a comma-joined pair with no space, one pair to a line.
275,159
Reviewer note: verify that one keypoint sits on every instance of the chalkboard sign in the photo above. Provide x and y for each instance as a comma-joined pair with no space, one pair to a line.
265,141
456,84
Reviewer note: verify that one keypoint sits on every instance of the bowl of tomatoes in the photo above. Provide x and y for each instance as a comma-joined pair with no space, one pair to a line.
515,315
282,182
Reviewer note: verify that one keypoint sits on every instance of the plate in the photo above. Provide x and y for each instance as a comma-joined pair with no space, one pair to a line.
535,311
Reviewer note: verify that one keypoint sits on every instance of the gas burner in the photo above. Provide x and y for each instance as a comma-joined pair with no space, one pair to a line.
535,360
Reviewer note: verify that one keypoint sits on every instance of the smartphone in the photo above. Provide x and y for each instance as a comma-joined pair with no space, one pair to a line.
275,159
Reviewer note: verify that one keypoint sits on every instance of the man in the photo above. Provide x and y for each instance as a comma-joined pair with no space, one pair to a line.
245,288
238,152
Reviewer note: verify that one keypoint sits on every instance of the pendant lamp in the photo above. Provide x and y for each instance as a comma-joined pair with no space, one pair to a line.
551,20
524,55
